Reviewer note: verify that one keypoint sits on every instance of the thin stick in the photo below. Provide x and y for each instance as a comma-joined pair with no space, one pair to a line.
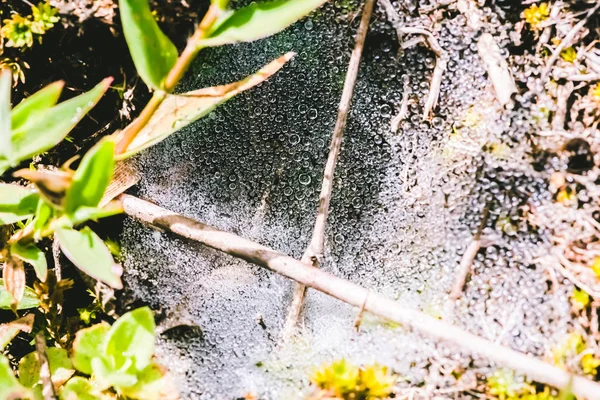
497,68
567,41
356,295
441,55
466,262
45,375
314,251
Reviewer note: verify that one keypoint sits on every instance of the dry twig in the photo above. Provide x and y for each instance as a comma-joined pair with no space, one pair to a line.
45,375
441,55
356,295
497,68
315,249
567,41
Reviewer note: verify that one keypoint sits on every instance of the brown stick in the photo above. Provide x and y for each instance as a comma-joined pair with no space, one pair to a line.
441,55
45,375
314,251
356,295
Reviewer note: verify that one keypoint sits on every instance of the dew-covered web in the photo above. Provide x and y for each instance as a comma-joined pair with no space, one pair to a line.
405,207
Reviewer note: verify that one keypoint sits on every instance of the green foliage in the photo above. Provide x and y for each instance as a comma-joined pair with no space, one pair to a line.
40,101
20,31
575,347
92,177
342,380
120,357
29,300
258,20
107,360
153,53
221,4
40,127
61,368
17,203
504,385
88,252
44,17
31,254
10,388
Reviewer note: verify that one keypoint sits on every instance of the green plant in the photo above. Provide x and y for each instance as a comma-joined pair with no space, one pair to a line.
504,385
342,380
62,199
20,31
106,361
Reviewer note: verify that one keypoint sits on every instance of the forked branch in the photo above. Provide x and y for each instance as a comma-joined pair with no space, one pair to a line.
356,295
314,252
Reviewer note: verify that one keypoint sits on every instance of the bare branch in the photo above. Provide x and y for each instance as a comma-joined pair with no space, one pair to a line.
45,375
441,55
567,41
356,295
497,68
314,251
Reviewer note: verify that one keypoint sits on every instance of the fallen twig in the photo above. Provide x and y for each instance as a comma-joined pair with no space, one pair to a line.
403,113
45,375
466,262
315,249
562,97
497,68
356,295
441,55
567,41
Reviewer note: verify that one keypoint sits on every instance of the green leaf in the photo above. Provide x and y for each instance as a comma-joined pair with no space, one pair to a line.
9,330
10,388
43,214
44,130
31,255
258,20
88,344
78,388
132,338
92,177
17,203
5,131
88,252
153,383
29,300
221,4
154,55
61,368
40,101
106,375
178,111
84,214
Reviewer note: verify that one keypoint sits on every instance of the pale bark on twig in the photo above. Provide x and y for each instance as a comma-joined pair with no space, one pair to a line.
497,68
45,375
562,98
466,262
356,295
567,41
441,55
314,252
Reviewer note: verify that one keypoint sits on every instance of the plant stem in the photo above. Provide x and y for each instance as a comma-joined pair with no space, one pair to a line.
174,76
356,295
314,251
